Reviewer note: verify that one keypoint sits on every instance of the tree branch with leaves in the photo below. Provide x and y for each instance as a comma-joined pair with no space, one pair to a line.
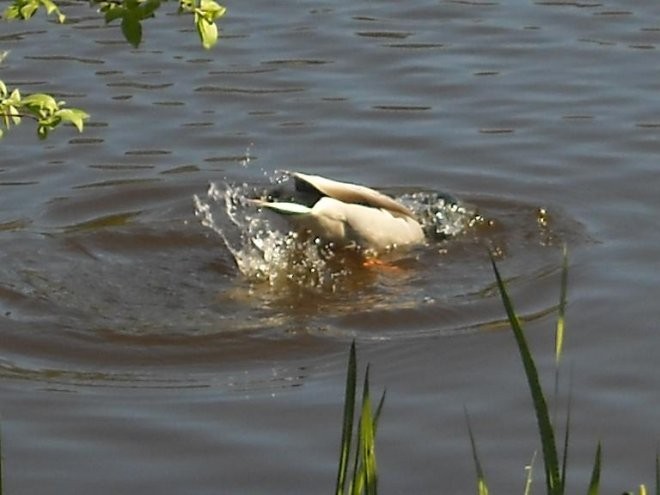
41,107
132,12
44,108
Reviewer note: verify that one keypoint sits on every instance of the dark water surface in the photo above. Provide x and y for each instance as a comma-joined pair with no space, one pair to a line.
136,357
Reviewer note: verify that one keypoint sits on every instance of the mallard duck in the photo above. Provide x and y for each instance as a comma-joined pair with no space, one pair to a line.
346,214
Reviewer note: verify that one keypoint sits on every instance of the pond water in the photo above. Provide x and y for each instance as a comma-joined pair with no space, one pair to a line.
146,346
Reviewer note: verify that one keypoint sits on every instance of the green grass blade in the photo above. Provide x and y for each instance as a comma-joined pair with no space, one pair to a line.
368,440
546,431
379,409
657,474
561,318
362,476
357,484
347,422
1,459
594,484
567,429
530,475
364,471
482,487
559,331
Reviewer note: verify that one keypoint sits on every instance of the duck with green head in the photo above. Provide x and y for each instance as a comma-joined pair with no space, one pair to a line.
347,214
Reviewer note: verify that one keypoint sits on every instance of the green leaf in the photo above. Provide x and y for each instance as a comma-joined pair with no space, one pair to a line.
364,468
42,131
208,32
567,429
212,9
552,479
364,471
73,115
368,440
11,13
41,100
594,484
657,474
14,114
9,107
29,9
347,422
482,487
132,29
379,409
186,5
41,103
205,14
51,7
25,9
113,12
559,333
148,8
15,97
3,90
530,475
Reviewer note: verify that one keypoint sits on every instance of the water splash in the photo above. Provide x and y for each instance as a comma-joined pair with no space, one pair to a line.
245,162
266,250
263,250
442,216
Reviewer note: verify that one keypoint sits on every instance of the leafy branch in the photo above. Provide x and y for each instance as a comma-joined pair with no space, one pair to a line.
47,111
205,14
132,12
24,9
42,107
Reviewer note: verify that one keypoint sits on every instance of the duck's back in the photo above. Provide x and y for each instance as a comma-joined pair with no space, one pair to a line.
371,228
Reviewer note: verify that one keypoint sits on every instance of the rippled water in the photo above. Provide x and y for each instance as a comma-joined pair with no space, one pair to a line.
145,345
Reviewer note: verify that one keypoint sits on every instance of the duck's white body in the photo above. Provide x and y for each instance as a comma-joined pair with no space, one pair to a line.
350,214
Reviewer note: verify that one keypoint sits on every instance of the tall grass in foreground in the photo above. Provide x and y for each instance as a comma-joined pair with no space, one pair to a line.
364,473
364,478
554,475
555,472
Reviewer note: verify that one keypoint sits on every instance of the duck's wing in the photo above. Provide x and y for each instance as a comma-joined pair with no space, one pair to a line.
283,207
350,193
